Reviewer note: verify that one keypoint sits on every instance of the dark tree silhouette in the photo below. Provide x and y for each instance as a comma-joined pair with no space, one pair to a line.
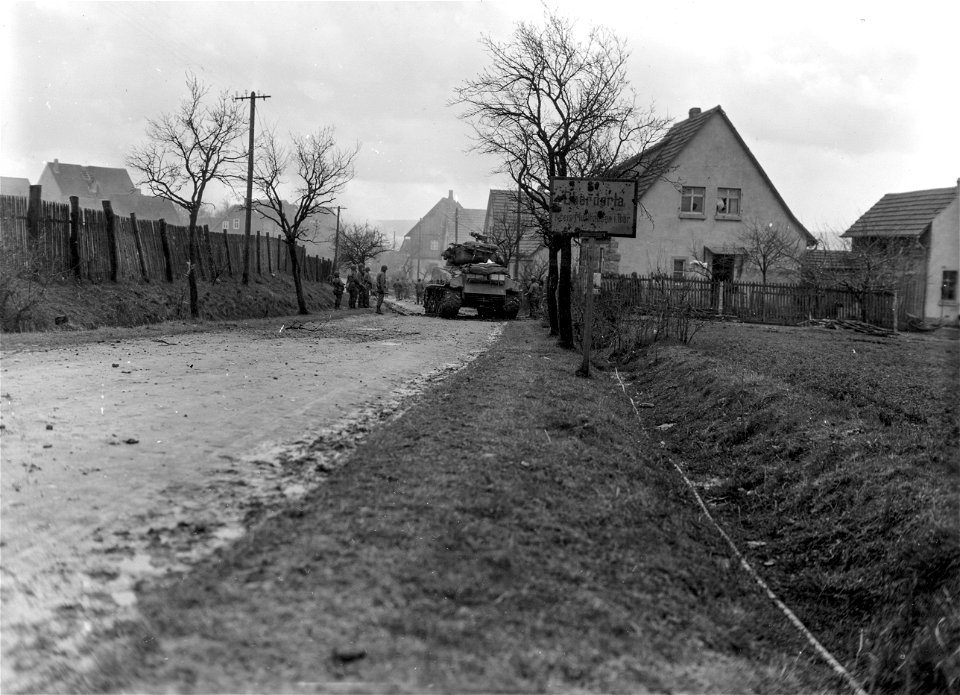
187,150
551,106
318,172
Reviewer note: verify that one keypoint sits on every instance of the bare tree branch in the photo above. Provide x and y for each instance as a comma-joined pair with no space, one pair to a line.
318,172
185,151
549,106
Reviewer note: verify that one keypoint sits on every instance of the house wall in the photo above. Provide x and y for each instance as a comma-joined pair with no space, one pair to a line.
944,255
714,158
49,188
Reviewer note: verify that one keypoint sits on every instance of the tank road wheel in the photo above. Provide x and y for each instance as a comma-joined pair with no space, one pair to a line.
511,306
449,304
431,297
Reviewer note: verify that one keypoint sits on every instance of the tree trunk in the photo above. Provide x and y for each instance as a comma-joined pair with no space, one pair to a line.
297,281
564,318
553,277
192,266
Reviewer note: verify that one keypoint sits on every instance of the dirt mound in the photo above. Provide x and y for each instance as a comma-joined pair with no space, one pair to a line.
68,305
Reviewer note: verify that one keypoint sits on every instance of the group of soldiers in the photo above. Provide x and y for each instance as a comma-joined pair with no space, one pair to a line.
361,283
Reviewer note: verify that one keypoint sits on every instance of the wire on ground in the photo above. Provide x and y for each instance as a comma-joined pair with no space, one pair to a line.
791,616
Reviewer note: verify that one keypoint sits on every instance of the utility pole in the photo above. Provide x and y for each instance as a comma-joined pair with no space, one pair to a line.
456,225
516,257
419,245
246,241
336,241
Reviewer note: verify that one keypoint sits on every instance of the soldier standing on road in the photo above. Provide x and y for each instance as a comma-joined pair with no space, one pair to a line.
418,288
365,286
337,290
533,297
381,287
353,287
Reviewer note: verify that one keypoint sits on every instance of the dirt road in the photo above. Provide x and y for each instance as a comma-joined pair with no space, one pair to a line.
122,459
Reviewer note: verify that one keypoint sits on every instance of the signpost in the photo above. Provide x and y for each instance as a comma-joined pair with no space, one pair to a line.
592,209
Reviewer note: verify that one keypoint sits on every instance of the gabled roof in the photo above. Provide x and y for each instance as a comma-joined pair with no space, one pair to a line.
502,203
468,221
655,162
902,214
145,207
86,182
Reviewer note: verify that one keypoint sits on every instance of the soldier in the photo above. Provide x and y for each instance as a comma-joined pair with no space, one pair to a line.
353,287
418,288
381,287
366,286
533,297
337,290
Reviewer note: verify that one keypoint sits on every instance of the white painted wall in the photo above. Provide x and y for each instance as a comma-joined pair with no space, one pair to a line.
944,255
714,158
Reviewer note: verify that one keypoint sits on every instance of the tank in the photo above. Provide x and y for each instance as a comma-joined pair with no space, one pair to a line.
474,276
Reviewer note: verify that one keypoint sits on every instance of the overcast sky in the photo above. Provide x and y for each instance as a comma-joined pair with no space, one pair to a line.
840,101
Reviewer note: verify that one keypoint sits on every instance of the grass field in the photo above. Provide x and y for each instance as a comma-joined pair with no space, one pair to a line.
520,529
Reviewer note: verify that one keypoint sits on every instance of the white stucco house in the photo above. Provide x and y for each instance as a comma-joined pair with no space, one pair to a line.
699,188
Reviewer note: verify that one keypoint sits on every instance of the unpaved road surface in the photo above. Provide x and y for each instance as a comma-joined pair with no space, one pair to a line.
129,458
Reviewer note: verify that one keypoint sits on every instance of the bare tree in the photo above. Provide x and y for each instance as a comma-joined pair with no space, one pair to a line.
361,243
320,171
868,265
505,234
770,245
550,106
185,151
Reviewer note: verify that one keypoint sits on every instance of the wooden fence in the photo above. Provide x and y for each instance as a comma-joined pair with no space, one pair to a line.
755,302
96,245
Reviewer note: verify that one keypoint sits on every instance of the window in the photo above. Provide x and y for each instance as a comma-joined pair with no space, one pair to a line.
226,225
679,266
948,290
691,200
236,223
434,245
728,202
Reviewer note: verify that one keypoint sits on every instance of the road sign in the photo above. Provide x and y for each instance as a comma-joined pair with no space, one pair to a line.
594,206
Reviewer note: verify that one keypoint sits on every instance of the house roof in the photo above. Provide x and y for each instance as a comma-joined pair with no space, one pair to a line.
504,202
469,220
15,186
86,181
654,162
902,214
145,207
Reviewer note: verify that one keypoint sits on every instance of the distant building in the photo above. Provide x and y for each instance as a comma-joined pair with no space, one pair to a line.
445,223
14,186
922,229
318,236
505,211
698,188
93,185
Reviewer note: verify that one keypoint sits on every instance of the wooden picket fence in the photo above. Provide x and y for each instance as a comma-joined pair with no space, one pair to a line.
755,302
95,245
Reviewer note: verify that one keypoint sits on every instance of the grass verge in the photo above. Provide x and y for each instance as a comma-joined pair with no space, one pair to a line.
513,531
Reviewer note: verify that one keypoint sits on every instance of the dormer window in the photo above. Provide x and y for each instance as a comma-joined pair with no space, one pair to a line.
691,201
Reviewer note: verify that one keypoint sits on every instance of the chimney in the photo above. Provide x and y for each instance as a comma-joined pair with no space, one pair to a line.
450,196
56,166
695,111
